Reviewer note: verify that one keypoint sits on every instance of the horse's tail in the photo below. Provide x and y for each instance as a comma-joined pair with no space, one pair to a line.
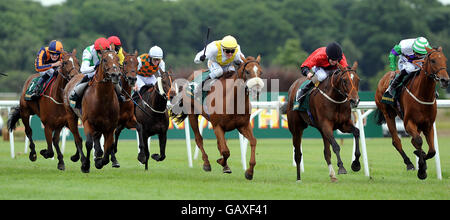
13,118
379,117
283,108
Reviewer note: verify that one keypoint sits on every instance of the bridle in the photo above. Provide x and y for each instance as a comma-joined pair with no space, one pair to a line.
427,61
345,95
128,79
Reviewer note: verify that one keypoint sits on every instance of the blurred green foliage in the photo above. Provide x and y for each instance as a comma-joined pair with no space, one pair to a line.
283,32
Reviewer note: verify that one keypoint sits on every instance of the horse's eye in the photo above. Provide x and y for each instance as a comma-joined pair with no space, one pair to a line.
433,61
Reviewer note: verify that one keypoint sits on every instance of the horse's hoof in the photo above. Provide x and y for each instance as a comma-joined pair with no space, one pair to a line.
61,167
158,158
141,158
32,156
115,164
334,179
422,174
356,166
85,168
220,161
248,175
98,163
226,169
410,167
75,158
47,154
207,168
342,170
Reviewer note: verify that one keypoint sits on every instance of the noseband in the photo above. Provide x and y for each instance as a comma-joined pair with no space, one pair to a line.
345,95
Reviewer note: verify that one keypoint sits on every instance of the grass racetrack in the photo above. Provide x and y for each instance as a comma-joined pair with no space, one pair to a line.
274,177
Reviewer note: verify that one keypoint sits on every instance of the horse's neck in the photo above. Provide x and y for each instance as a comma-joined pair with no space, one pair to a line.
422,86
327,87
158,102
125,86
56,90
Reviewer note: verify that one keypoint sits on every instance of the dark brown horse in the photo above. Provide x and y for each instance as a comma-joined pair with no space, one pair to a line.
417,107
153,116
228,107
100,109
330,107
49,108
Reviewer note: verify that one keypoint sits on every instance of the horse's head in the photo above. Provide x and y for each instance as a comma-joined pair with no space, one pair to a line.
129,68
110,67
70,66
346,82
250,71
164,85
435,66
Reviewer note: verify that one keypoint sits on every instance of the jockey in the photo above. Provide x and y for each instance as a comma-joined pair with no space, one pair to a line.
403,54
91,60
149,63
322,62
48,59
116,45
217,63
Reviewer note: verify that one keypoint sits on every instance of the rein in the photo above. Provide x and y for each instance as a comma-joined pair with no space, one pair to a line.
338,90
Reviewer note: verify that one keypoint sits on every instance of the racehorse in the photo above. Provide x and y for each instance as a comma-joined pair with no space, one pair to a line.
330,109
99,111
49,108
228,108
417,107
153,116
126,116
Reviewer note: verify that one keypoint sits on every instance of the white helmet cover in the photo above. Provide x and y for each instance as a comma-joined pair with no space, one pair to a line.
155,52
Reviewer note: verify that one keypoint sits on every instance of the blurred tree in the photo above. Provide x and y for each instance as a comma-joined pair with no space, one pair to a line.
290,55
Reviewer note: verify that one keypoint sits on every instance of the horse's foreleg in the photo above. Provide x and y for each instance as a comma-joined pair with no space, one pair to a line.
328,134
29,133
109,141
193,121
417,142
390,122
162,147
55,140
350,128
247,132
48,153
141,154
73,127
223,149
429,135
114,161
296,142
327,156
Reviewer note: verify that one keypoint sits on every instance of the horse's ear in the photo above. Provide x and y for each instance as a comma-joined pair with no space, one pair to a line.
355,65
428,49
124,52
135,52
440,49
340,66
243,59
258,58
74,51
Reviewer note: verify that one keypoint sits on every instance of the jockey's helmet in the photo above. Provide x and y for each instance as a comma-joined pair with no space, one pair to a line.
334,51
115,40
228,42
101,44
155,52
55,47
419,45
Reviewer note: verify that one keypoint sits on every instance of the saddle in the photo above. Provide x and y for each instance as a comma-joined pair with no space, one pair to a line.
32,85
387,99
191,86
304,106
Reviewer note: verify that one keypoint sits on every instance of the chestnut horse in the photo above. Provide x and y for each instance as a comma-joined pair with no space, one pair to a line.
153,116
417,107
228,108
330,108
49,108
100,109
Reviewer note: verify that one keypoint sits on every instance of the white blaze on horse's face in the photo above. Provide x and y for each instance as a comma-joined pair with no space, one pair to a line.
351,76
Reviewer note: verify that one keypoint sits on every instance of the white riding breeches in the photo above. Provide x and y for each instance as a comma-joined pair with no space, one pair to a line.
321,73
142,81
217,70
48,72
404,64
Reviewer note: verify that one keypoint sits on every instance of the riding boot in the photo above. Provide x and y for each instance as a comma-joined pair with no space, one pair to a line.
38,87
394,83
301,93
78,91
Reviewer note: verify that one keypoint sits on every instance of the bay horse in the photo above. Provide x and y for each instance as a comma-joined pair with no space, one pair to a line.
49,108
127,118
228,108
416,106
330,106
100,109
153,116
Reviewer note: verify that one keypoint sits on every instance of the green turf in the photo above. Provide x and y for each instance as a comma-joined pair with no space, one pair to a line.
274,177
